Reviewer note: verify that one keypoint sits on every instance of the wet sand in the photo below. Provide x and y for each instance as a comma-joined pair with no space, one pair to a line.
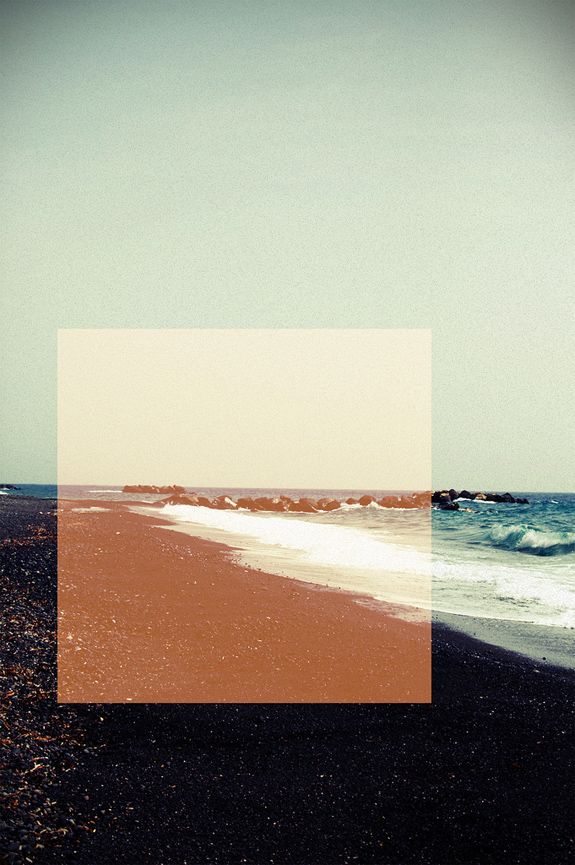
153,616
543,645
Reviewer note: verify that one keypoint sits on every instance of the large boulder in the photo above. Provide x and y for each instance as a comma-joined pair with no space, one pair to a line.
332,505
388,501
278,505
366,500
224,503
351,502
263,503
423,500
303,506
480,497
448,506
410,502
453,494
407,502
246,503
180,500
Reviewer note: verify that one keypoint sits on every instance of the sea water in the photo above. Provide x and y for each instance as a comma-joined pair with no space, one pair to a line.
502,562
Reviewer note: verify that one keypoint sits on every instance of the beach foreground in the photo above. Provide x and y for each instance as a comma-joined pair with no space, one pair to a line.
482,776
149,615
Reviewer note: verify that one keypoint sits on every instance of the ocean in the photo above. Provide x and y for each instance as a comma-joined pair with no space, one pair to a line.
499,562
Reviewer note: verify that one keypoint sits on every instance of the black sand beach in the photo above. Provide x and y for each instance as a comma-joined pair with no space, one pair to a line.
483,776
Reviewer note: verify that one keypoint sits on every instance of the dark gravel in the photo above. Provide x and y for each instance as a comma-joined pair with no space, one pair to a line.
481,777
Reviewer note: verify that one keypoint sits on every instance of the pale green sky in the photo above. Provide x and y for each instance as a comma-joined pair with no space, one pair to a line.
300,165
246,408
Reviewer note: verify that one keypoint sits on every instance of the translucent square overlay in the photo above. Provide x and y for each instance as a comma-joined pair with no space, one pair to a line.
187,603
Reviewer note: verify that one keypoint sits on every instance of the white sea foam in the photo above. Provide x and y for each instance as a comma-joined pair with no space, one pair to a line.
321,544
479,501
503,592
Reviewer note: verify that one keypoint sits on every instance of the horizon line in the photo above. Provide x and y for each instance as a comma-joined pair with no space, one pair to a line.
279,486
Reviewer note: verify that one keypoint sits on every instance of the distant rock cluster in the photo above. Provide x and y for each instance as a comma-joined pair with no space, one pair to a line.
302,506
446,499
9,487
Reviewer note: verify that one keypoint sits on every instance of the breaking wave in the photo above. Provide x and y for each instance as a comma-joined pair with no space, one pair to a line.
530,540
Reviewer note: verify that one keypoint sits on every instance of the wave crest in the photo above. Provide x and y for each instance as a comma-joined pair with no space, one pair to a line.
536,542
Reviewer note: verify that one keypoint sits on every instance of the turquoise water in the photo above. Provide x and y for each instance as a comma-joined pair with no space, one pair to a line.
544,527
514,562
39,491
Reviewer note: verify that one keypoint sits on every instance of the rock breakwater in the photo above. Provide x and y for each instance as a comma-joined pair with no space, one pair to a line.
448,500
286,504
444,499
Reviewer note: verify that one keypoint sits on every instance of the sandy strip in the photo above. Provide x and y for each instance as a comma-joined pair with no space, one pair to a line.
147,615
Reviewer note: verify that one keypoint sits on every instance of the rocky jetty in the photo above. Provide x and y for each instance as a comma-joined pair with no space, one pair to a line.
298,506
447,499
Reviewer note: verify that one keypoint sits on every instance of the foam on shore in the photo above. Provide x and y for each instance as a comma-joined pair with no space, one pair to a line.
319,543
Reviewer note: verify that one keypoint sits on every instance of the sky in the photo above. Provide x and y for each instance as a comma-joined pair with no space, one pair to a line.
227,407
272,165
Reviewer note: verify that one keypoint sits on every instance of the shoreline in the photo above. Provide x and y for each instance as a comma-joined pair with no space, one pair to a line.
544,645
482,775
269,555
